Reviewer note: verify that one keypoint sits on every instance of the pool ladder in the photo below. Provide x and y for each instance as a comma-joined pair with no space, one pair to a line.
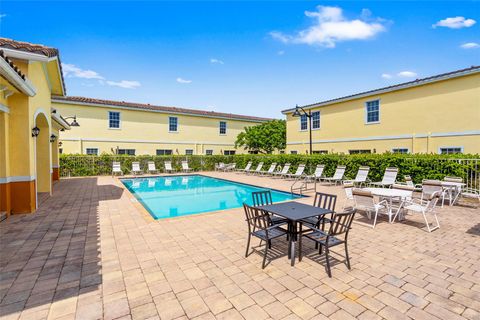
300,185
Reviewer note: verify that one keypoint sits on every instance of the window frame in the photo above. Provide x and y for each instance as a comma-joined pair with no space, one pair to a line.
91,154
366,112
119,120
319,120
164,153
360,151
220,128
127,153
169,118
209,152
400,148
229,152
293,152
450,147
300,124
320,151
189,152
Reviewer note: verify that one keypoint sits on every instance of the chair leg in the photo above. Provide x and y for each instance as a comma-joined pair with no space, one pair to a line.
300,247
248,245
328,262
346,255
265,255
320,249
375,219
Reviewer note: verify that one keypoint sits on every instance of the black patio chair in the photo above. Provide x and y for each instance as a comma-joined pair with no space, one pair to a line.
340,225
325,201
259,226
263,198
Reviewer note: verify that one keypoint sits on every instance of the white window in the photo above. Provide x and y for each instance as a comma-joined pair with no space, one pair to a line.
316,120
372,111
303,122
92,151
163,152
400,150
228,152
189,152
113,120
293,152
130,152
172,124
359,151
208,152
451,150
319,151
223,127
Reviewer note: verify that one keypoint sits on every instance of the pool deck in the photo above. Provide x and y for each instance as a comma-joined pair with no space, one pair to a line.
92,252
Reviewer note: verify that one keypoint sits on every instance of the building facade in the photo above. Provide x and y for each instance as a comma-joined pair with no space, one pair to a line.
29,126
439,114
132,128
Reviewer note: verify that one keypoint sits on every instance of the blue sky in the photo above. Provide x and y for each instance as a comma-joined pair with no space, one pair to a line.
246,57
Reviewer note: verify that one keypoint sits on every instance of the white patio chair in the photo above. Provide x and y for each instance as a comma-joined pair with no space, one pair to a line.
389,178
136,168
468,192
257,170
297,174
425,207
230,167
361,177
247,167
364,201
282,172
337,176
317,175
151,167
168,166
185,167
430,187
409,182
116,168
270,170
348,189
219,166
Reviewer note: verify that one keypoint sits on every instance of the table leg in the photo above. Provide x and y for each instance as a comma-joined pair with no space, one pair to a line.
294,239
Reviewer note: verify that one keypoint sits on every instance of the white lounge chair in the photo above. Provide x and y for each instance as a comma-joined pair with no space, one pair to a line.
283,172
247,167
361,177
257,170
136,168
364,201
270,170
185,167
219,166
168,167
116,168
151,167
298,173
337,176
317,175
230,167
388,179
425,207
348,188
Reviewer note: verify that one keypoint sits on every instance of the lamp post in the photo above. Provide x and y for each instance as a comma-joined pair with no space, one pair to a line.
299,112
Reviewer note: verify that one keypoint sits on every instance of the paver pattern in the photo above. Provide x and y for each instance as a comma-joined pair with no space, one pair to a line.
91,252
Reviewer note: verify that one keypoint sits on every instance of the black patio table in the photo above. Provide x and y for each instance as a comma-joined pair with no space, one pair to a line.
294,212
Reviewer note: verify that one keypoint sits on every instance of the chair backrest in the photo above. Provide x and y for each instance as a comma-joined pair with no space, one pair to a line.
339,172
257,218
116,166
390,176
362,174
342,222
151,166
185,165
363,198
168,165
431,186
403,187
272,167
453,179
248,166
262,198
325,201
136,166
319,170
285,169
259,166
300,169
348,188
409,181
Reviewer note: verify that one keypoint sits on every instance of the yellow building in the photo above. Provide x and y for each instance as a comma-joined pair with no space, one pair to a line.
438,114
134,128
29,126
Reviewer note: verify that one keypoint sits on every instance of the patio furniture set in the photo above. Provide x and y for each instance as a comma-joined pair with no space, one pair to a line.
151,168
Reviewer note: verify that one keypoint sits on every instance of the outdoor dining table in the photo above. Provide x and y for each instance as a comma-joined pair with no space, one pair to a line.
454,188
294,212
391,194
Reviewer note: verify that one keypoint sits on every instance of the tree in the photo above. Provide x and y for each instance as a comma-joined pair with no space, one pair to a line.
264,138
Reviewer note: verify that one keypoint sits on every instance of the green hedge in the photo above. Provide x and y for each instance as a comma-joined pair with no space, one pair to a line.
418,166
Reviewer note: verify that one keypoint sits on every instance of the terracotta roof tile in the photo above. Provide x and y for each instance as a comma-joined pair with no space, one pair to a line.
141,106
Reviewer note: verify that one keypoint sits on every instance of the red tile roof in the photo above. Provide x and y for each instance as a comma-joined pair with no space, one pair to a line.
141,106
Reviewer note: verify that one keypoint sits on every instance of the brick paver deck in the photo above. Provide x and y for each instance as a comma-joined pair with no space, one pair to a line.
91,252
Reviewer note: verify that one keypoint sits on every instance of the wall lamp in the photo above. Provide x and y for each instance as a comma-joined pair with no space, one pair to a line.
35,132
53,138
74,122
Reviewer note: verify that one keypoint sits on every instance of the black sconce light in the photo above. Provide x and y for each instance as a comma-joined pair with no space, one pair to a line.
53,138
60,143
35,132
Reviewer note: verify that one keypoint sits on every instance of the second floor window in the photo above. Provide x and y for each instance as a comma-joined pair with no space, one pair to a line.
223,127
316,120
172,124
372,111
303,122
113,119
92,151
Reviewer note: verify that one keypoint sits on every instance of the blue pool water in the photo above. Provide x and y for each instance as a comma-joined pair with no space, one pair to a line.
173,196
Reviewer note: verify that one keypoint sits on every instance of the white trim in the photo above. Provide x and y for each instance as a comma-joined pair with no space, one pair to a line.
396,137
23,55
172,131
146,141
14,78
17,179
300,124
319,120
366,112
220,126
4,108
119,120
449,147
167,112
35,115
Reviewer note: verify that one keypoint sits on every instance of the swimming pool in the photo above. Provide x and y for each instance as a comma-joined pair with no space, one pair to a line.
173,196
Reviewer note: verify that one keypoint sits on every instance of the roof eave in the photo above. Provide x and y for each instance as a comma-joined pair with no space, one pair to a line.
25,86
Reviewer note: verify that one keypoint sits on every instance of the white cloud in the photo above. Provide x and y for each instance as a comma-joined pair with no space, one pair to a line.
126,84
386,76
72,71
181,80
331,26
213,60
455,23
470,45
407,74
